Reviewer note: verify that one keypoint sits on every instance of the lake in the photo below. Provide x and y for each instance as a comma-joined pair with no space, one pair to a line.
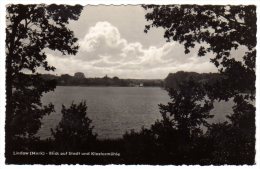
115,110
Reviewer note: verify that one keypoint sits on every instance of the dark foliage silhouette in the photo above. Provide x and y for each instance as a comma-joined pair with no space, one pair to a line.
220,30
223,28
188,110
174,79
68,80
74,132
177,138
234,141
29,30
183,135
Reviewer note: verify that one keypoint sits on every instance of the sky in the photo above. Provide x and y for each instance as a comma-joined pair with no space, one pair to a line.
112,42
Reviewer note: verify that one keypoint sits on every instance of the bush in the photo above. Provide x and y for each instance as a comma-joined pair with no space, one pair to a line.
74,132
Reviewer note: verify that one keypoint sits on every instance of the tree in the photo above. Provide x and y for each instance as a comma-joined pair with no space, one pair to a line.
74,132
234,142
223,28
219,30
188,109
182,121
65,79
178,138
174,79
30,30
79,75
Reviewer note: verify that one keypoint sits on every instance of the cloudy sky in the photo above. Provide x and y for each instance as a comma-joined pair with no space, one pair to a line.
112,42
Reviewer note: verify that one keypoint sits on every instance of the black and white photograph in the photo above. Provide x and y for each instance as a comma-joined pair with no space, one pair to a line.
144,84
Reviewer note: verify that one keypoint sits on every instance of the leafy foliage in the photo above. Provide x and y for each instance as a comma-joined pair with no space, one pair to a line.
173,80
220,30
188,109
181,128
178,138
223,28
30,29
74,131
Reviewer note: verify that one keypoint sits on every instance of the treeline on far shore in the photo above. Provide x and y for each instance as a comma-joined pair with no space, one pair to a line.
80,80
173,79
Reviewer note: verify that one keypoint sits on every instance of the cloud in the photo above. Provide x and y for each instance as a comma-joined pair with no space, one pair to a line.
104,63
102,34
104,51
103,39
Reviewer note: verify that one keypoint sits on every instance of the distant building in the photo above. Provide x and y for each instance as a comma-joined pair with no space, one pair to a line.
79,75
105,77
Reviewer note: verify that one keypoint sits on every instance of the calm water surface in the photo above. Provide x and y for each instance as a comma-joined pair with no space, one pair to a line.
115,110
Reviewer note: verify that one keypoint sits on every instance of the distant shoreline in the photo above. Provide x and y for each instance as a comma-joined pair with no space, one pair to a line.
110,86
